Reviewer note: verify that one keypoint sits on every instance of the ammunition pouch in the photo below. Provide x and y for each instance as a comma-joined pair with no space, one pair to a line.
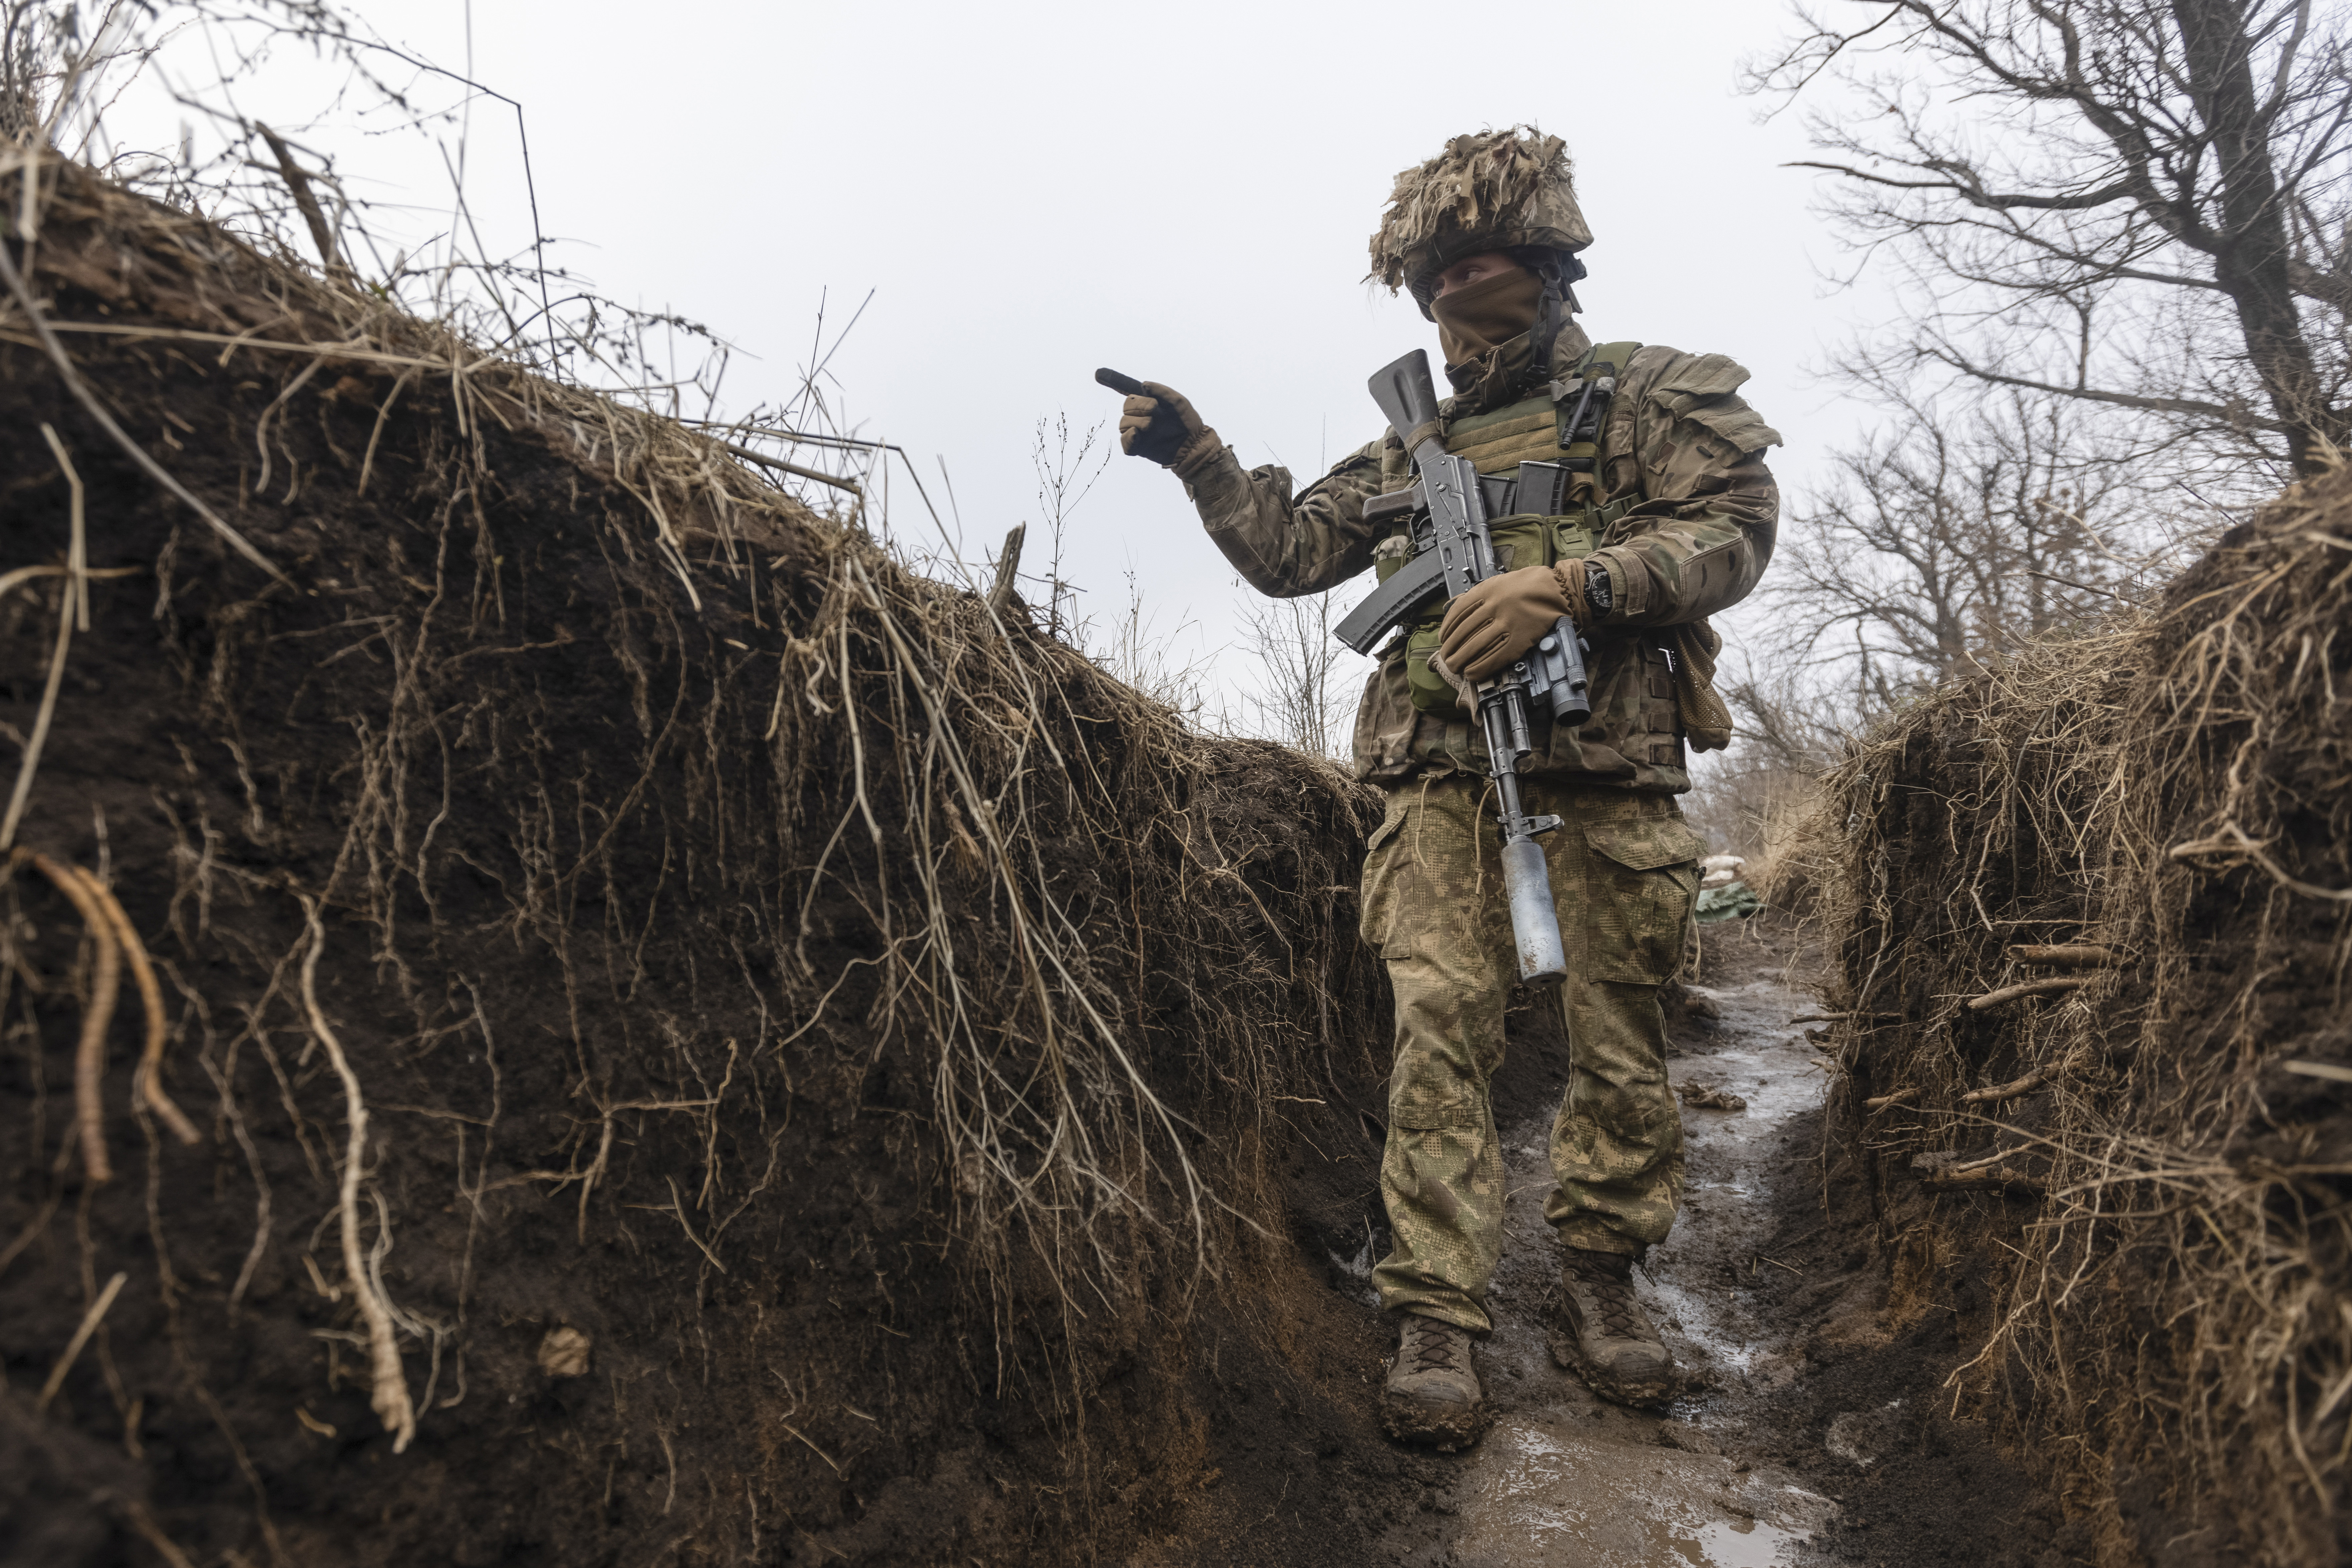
1550,442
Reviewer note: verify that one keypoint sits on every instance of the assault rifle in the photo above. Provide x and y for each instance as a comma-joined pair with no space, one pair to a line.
1449,504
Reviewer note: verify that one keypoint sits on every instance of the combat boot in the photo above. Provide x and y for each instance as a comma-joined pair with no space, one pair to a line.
1432,1394
1604,1336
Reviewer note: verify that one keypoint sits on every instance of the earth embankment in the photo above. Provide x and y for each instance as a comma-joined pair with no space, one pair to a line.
2091,914
672,1037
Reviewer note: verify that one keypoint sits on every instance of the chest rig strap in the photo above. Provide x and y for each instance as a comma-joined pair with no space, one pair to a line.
1581,402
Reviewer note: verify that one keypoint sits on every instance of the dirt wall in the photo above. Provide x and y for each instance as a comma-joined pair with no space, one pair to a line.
2092,928
693,1043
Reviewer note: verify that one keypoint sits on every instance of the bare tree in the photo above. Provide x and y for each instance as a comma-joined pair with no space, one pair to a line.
2135,203
1305,697
1959,529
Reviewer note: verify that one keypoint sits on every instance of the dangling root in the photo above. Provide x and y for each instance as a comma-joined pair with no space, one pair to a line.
89,1057
389,1398
150,1078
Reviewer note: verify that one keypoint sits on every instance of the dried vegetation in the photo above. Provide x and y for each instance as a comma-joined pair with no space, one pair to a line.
724,1043
2093,911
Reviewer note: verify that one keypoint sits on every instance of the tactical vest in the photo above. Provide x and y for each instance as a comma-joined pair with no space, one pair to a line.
1534,429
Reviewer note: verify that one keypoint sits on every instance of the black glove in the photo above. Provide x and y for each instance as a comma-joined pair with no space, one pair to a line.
1161,425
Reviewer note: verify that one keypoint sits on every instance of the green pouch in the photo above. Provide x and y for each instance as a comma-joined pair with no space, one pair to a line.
1431,692
1522,539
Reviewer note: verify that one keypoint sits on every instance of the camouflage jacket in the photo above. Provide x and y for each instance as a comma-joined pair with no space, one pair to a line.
1691,511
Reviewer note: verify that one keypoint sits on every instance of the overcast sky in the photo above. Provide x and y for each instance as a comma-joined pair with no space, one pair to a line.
1182,192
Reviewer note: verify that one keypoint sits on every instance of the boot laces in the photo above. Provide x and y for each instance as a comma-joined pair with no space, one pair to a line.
1612,1297
1431,1347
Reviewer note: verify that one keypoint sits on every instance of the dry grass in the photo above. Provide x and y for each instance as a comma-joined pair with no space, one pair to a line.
886,819
2167,1236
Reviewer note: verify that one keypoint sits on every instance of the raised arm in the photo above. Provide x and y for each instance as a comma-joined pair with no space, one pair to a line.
1282,545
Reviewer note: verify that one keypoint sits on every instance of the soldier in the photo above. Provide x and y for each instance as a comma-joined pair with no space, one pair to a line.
1670,518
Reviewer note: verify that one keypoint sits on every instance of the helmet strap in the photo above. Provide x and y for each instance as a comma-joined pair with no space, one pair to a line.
1560,271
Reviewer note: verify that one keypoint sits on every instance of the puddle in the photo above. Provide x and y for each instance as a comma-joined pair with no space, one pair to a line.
1542,1497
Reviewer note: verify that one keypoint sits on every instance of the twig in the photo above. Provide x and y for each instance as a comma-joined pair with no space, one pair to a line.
89,1321
2084,587
299,183
1996,1176
2010,1090
1880,1102
1008,568
389,1397
90,1056
2079,956
148,1082
73,597
2029,988
138,454
765,461
2332,1071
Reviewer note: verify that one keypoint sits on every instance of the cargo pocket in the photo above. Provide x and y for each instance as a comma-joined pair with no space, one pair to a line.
1380,883
1640,881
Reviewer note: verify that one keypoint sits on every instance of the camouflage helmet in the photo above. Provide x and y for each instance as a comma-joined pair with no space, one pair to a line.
1493,190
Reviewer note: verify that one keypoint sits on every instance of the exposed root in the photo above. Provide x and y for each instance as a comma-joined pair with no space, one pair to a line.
2027,988
389,1385
89,1326
2014,1090
2074,957
90,1056
150,1085
73,603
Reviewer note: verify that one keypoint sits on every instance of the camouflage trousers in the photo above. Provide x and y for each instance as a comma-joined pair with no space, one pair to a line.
1624,876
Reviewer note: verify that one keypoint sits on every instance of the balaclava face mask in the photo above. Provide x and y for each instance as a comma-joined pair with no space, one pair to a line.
1475,320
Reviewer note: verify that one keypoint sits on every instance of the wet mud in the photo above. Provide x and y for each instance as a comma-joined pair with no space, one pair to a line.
1566,1477
1808,1429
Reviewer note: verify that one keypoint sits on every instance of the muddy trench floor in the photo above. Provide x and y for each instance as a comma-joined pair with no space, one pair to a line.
1814,1429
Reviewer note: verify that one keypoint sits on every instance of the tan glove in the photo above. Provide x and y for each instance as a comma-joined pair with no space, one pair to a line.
1502,617
1163,427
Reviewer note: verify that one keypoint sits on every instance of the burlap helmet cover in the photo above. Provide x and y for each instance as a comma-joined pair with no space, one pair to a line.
1493,190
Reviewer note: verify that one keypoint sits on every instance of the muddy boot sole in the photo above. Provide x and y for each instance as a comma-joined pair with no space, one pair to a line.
1643,1393
1446,1429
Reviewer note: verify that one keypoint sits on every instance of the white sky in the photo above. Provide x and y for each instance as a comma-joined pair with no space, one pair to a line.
1182,192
